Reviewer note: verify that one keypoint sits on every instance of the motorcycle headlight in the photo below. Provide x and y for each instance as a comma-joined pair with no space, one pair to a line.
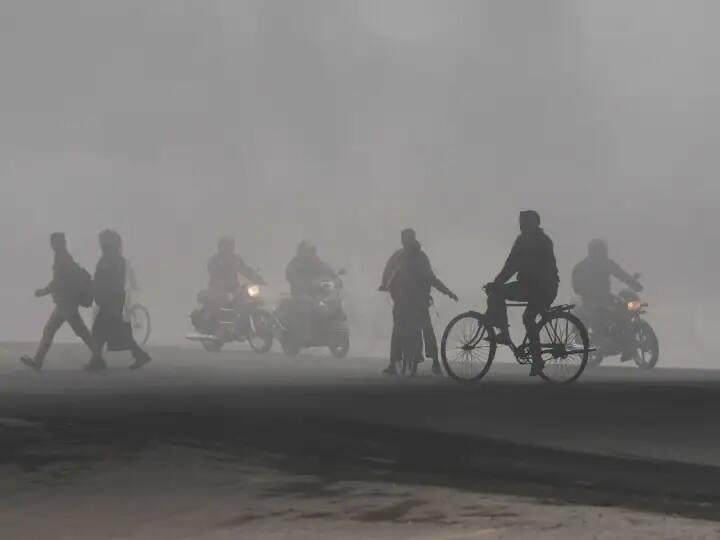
253,291
634,305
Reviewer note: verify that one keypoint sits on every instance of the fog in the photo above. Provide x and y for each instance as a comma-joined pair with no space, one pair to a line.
342,122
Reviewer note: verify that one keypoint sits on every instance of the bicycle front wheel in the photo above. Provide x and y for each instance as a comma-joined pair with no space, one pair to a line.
565,348
140,321
468,347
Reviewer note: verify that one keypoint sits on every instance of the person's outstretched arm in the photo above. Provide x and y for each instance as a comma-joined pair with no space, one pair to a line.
511,267
620,274
247,272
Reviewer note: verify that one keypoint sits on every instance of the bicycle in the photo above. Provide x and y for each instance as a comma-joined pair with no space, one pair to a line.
564,345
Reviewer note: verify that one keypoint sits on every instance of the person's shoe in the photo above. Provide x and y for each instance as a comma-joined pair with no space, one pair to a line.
390,370
95,366
436,369
537,368
31,363
140,362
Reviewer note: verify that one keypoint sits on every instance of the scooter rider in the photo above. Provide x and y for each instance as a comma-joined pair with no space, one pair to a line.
304,273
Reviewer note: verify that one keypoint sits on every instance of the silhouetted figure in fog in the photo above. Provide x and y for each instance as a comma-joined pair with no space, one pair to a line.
591,281
532,258
409,278
110,327
223,269
306,270
304,273
70,288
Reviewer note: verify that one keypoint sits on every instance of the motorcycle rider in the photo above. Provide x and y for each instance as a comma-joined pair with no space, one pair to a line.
532,258
304,272
591,281
223,269
409,278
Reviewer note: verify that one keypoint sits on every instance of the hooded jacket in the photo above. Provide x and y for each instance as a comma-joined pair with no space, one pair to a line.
532,258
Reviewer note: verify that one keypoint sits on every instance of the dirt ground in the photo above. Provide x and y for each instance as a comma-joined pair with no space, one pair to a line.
71,490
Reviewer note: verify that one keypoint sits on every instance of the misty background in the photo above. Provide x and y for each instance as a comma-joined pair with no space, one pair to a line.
342,122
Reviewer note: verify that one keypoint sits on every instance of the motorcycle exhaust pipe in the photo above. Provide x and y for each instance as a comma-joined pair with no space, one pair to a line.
203,337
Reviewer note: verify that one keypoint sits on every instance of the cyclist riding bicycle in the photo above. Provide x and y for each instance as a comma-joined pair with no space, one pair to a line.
532,259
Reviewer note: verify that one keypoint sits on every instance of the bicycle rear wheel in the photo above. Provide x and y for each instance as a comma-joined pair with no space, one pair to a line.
564,343
468,347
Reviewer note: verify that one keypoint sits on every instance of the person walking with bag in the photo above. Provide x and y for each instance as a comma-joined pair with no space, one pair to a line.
70,288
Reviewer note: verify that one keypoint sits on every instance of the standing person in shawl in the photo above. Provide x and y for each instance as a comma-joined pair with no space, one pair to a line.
409,277
110,326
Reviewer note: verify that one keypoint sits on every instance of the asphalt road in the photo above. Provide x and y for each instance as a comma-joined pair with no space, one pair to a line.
650,431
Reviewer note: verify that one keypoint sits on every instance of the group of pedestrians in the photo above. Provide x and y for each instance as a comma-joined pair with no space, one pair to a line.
72,287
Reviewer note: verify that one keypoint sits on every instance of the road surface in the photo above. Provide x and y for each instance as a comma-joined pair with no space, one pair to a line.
645,441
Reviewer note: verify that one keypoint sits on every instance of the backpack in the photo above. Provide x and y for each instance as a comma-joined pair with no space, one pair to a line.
83,286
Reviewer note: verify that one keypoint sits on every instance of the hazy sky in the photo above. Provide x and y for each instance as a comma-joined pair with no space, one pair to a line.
342,122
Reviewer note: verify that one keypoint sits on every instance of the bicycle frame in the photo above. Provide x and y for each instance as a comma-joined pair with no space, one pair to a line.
522,352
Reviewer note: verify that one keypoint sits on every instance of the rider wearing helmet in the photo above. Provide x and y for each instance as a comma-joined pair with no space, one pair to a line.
591,281
223,269
532,258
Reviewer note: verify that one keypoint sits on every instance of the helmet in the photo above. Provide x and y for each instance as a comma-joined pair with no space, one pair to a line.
598,249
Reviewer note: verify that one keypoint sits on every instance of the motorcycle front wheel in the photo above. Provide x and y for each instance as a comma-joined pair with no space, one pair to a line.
648,347
340,346
262,340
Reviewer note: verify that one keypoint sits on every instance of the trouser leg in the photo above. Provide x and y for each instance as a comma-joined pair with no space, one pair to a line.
538,304
429,338
395,339
55,321
81,330
497,309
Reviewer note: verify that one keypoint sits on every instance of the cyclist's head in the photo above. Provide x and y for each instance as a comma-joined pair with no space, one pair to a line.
58,242
598,249
408,238
110,241
226,245
529,220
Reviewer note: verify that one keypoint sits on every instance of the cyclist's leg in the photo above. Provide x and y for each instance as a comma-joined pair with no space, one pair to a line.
538,303
497,310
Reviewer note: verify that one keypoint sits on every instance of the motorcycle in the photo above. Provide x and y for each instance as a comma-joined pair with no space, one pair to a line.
330,330
242,318
629,335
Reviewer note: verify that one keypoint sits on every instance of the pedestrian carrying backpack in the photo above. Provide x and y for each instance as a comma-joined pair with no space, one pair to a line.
83,286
